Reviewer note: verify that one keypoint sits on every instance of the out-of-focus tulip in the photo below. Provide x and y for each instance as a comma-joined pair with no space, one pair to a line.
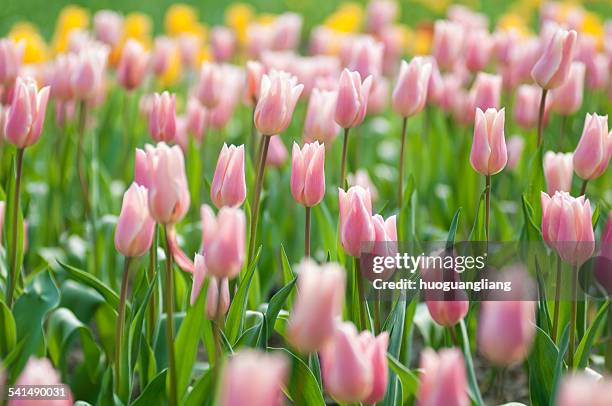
448,92
354,365
223,43
228,186
286,31
362,178
132,65
26,116
89,69
380,14
515,146
161,55
567,98
217,298
594,149
447,43
489,155
582,389
410,92
38,372
135,226
308,173
558,171
210,85
526,106
254,73
567,227
467,18
279,93
384,243
199,273
166,183
598,75
551,70
379,95
352,100
223,240
356,225
61,77
243,382
318,305
478,48
366,56
486,91
231,84
108,27
443,381
277,152
197,118
320,124
162,117
603,270
11,56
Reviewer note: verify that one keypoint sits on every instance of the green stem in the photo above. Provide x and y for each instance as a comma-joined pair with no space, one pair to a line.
151,276
261,167
541,116
555,326
121,323
307,233
608,356
344,150
377,323
572,341
361,292
488,205
12,281
400,175
169,304
584,187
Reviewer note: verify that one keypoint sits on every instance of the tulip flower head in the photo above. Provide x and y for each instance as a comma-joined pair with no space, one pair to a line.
443,380
24,120
582,389
162,117
515,146
223,43
228,186
594,149
552,69
320,124
486,91
135,226
89,70
223,241
39,372
210,85
197,118
254,73
489,155
279,93
447,43
11,57
132,65
352,101
108,27
526,106
277,152
308,174
567,98
380,14
478,49
558,172
410,92
356,227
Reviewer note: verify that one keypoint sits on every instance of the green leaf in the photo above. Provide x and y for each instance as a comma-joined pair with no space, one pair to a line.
536,180
410,382
155,392
544,359
11,223
8,332
581,357
87,279
276,304
303,387
479,232
452,232
203,390
469,365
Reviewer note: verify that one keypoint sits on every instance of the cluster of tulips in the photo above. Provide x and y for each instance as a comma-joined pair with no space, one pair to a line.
345,78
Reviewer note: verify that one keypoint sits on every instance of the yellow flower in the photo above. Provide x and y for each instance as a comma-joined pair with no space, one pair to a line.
422,38
35,48
347,18
173,72
71,18
513,21
180,18
592,25
138,26
238,16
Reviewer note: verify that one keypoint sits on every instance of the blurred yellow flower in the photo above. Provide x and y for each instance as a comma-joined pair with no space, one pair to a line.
513,21
35,48
266,19
173,72
436,6
422,38
138,26
593,25
238,16
180,18
71,18
347,18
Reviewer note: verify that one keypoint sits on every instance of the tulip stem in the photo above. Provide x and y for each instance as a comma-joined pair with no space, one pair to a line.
487,205
400,176
261,167
121,324
344,150
608,356
555,325
572,341
307,233
361,292
541,116
151,276
584,187
377,325
453,334
218,328
253,132
168,302
12,281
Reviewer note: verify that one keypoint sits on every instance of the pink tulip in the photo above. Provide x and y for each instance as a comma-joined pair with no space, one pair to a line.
254,73
317,306
515,146
392,38
442,381
228,186
379,95
217,306
11,56
38,372
277,152
161,55
108,27
26,116
231,84
478,49
489,155
567,98
308,174
582,389
558,171
199,273
447,43
526,106
89,70
594,149
223,241
603,267
352,100
286,31
410,92
61,77
244,383
223,43
598,72
567,227
354,365
486,91
362,178
278,96
197,118
320,124
551,70
366,56
189,45
162,117
467,18
167,183
132,65
355,219
380,14
135,227
448,92
210,85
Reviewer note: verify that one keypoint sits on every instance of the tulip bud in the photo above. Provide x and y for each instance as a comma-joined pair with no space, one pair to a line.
89,69
199,273
362,178
526,106
24,120
379,95
489,155
317,306
231,84
558,171
162,117
217,298
132,65
447,43
380,14
567,98
603,268
161,55
551,70
135,227
277,152
254,73
286,31
352,100
478,48
356,225
228,186
594,149
308,174
38,372
443,381
210,85
515,146
167,183
598,72
223,241
582,389
197,118
278,96
108,27
567,227
486,91
320,124
223,43
410,92
243,382
366,56
11,57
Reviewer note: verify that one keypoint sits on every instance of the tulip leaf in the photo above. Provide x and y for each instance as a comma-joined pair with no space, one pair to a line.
11,223
154,393
276,304
303,385
581,357
452,232
409,381
536,180
474,390
203,390
479,232
87,279
545,366
8,332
